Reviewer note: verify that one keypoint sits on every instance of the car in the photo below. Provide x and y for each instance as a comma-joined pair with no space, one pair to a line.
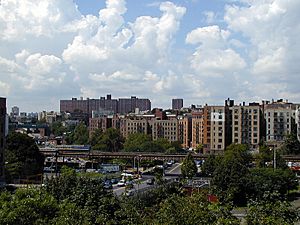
114,180
150,181
107,184
121,183
49,169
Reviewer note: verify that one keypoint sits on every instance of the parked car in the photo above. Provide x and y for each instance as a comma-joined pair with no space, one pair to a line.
49,169
107,184
121,183
114,180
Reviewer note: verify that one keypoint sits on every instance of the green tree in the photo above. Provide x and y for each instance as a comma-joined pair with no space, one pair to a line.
193,210
97,204
113,140
57,128
22,157
265,180
188,167
96,138
151,146
271,213
291,145
81,134
210,164
264,156
135,141
229,180
27,206
199,148
164,143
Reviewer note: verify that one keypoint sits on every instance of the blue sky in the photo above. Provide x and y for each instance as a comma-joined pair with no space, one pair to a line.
201,50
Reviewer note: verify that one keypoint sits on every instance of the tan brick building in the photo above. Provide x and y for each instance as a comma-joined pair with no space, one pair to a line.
184,130
197,129
280,120
134,124
246,125
167,129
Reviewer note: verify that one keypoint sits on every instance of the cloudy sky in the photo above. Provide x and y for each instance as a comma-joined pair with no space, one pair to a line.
201,50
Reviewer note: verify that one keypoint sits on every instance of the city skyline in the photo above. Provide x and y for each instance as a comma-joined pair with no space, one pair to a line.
199,50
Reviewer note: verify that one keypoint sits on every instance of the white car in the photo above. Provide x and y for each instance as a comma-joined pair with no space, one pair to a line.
121,183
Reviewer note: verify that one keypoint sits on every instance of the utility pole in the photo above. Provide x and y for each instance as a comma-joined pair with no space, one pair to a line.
274,160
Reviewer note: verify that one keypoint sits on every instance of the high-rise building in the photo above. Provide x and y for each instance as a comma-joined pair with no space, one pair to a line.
127,105
167,129
15,111
102,122
197,129
133,124
185,130
122,106
2,137
246,125
177,104
280,120
297,118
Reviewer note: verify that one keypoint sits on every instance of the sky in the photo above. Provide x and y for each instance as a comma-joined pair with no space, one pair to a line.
203,51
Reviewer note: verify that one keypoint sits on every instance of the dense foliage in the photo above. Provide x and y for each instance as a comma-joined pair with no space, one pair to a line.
188,167
22,156
193,210
291,145
229,178
109,141
140,142
268,212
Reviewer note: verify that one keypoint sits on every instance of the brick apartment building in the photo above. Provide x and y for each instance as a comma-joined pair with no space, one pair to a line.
121,106
2,137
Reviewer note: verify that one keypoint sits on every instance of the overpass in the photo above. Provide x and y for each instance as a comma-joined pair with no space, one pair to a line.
95,154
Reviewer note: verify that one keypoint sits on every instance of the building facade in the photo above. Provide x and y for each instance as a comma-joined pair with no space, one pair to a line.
177,103
246,125
185,130
167,129
2,138
132,125
197,129
122,106
280,120
127,105
297,119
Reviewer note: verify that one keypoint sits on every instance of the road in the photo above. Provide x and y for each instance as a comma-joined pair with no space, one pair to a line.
172,171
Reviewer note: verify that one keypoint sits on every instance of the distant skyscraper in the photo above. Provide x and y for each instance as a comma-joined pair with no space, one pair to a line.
177,103
2,137
127,105
15,111
122,106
